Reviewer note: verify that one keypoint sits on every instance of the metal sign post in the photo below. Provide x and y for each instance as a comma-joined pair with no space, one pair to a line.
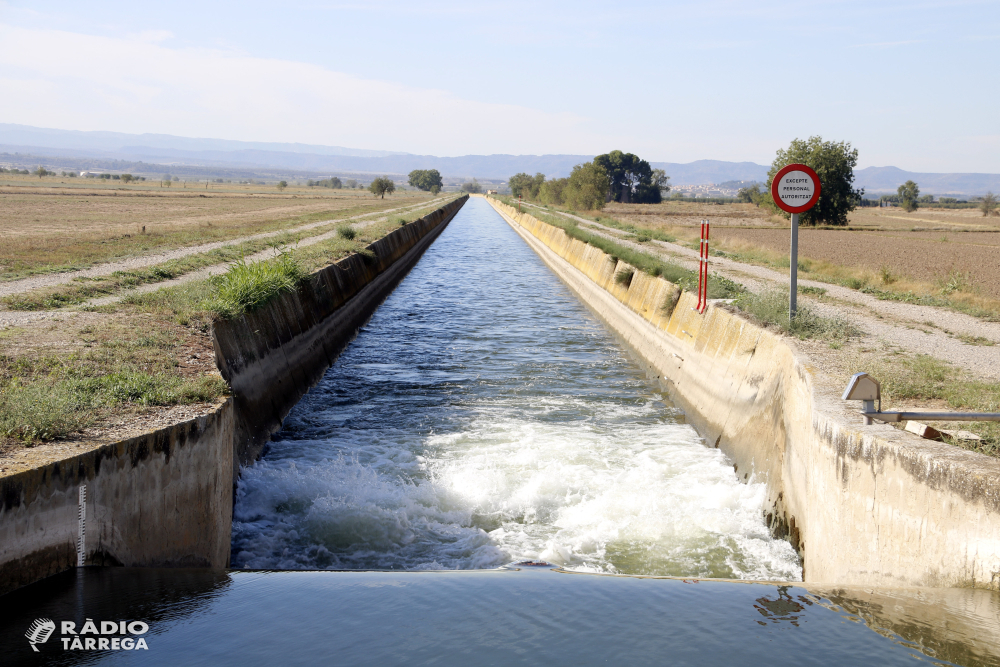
795,189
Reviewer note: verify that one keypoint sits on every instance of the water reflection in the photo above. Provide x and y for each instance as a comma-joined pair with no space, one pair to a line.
499,617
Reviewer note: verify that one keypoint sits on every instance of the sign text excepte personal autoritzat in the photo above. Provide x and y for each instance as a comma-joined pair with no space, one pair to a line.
795,188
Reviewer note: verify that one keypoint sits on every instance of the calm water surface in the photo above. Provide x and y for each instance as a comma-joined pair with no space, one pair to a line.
485,416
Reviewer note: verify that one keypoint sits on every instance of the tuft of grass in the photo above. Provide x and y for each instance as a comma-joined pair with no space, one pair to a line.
624,277
976,340
955,281
887,275
247,286
346,232
770,308
39,411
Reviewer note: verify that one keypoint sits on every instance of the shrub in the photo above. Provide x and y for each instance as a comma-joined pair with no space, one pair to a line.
346,232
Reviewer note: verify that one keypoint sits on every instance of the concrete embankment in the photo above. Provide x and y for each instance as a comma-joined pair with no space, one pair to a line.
864,505
164,498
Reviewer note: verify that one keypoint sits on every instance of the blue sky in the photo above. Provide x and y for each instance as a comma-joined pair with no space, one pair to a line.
910,84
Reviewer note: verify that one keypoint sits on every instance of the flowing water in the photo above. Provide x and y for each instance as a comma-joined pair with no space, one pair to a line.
485,416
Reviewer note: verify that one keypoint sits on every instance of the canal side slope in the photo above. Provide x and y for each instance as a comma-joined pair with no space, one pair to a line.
864,505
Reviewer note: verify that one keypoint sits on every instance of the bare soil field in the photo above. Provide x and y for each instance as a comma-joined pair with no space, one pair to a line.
930,257
683,214
50,226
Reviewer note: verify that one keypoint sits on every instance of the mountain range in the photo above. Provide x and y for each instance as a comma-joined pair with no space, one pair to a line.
163,152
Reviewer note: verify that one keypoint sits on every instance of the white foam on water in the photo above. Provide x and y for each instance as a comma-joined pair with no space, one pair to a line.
646,498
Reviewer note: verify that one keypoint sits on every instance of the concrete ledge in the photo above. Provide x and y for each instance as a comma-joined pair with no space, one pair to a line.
273,356
160,499
864,505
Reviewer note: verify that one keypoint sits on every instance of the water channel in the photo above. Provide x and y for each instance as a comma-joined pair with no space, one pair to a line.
485,416
481,418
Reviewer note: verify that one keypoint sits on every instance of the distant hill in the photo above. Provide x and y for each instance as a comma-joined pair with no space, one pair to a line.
887,179
231,157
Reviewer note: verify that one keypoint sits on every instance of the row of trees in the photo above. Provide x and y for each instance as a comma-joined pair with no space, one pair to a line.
614,176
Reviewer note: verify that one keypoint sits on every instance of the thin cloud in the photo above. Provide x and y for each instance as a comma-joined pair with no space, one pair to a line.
209,92
887,45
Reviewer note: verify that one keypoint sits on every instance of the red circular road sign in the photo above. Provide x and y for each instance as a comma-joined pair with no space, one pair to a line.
795,188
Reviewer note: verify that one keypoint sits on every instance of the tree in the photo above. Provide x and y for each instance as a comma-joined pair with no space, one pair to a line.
126,178
435,189
988,204
282,185
552,191
630,178
41,171
749,194
472,187
834,163
587,187
908,193
425,179
382,185
528,187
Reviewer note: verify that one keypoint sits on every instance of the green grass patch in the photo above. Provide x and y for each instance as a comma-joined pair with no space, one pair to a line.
770,308
247,286
923,377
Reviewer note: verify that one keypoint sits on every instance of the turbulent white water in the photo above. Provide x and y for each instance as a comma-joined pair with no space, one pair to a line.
484,416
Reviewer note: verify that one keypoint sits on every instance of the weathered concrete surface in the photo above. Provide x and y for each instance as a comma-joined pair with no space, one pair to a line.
865,505
273,356
160,499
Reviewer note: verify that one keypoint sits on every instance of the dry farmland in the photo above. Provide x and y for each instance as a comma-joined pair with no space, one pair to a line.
928,245
58,224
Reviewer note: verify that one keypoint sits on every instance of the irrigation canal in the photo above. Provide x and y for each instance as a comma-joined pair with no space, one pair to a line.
485,417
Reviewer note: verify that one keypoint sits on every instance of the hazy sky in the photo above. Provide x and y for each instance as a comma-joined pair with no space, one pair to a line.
910,84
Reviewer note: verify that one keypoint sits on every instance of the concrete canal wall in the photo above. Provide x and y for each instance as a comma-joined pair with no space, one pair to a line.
865,505
165,498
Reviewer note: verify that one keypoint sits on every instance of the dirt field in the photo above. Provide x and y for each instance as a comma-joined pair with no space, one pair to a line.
683,214
929,257
52,225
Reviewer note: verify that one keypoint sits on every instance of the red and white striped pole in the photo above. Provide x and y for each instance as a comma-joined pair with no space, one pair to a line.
703,268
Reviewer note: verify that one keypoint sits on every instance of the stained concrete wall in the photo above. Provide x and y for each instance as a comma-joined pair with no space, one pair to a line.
865,505
160,499
272,356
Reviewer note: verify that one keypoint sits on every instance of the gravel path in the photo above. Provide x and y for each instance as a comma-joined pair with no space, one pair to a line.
53,279
20,318
913,328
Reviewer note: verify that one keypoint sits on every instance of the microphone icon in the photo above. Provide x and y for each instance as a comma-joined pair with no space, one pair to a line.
39,632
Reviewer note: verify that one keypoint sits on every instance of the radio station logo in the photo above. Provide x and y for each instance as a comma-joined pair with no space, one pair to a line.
92,635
